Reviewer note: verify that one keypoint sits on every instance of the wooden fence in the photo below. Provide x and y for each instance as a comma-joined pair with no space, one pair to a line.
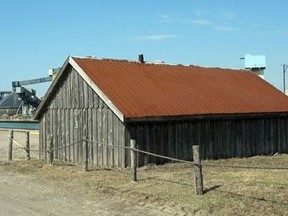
26,146
196,163
133,153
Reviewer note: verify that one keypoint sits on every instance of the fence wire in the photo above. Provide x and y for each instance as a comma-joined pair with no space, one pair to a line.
203,164
22,147
243,167
164,157
62,147
111,145
141,151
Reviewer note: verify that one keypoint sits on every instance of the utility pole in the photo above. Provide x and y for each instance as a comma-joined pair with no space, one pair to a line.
285,66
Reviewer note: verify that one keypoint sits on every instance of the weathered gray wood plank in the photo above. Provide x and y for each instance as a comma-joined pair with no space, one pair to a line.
41,136
76,90
90,97
63,134
99,137
80,92
90,135
105,135
114,139
110,140
95,137
147,144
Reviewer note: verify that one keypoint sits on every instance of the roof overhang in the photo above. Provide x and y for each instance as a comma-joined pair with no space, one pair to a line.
231,116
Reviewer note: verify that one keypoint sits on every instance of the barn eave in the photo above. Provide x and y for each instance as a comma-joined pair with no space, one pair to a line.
231,116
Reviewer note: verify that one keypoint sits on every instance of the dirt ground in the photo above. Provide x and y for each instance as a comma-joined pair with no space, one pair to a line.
26,195
35,188
25,191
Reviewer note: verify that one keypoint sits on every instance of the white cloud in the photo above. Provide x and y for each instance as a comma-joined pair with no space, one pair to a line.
229,15
225,28
164,16
202,12
168,19
218,27
201,22
200,19
156,37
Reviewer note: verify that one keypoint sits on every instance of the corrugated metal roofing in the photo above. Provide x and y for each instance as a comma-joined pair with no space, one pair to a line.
150,90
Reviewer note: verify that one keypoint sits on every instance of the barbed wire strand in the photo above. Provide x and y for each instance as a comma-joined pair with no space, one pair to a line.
243,167
156,155
165,157
191,162
22,147
33,150
62,147
111,145
212,165
144,152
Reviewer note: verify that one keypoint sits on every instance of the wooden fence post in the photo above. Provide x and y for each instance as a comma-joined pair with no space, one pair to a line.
133,160
198,179
50,150
27,148
10,144
86,155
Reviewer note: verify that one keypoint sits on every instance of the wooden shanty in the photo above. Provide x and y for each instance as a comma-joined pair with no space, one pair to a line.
165,108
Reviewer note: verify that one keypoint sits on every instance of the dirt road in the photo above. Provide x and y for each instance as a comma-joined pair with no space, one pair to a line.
29,192
21,195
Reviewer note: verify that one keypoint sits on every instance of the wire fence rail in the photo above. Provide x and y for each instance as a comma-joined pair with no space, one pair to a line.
204,164
243,167
23,147
197,164
26,148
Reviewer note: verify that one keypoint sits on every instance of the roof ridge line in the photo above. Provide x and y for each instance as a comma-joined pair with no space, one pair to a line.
157,62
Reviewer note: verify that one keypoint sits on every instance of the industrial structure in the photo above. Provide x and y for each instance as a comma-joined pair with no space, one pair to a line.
255,63
22,101
165,108
3,94
9,105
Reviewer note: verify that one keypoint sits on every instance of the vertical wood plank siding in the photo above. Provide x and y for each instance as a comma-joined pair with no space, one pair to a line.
76,112
217,138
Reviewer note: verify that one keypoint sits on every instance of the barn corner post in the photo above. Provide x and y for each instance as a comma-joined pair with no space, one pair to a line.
198,176
10,144
133,160
27,147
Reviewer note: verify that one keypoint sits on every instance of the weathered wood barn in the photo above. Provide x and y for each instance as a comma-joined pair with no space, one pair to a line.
165,108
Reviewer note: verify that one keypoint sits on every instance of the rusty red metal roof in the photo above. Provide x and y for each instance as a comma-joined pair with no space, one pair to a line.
150,90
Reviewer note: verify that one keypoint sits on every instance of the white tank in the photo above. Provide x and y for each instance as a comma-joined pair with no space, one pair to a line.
256,63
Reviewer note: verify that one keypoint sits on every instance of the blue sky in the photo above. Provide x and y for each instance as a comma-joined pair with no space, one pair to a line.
36,35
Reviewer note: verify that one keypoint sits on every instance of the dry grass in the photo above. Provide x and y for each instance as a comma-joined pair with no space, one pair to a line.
227,191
